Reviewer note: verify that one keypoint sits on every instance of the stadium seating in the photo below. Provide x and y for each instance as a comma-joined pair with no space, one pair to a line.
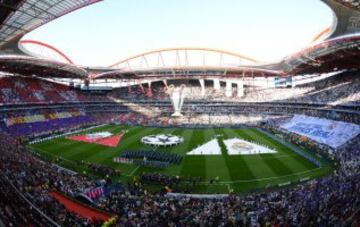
300,205
34,109
342,88
16,90
36,124
308,101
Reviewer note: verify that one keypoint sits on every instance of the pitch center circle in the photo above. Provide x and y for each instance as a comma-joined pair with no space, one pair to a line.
162,140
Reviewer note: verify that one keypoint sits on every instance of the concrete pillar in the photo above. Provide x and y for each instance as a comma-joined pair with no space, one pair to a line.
202,85
240,88
129,87
228,89
165,83
217,86
149,91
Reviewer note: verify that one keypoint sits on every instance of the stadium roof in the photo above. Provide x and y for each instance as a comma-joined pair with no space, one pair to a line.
326,56
192,72
18,17
31,66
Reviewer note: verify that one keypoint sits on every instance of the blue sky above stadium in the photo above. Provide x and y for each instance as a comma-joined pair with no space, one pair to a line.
115,29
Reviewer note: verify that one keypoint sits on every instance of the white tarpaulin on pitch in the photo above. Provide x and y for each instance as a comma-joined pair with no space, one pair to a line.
332,133
98,135
238,146
210,148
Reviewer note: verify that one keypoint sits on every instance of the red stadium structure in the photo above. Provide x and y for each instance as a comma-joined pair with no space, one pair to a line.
48,46
310,61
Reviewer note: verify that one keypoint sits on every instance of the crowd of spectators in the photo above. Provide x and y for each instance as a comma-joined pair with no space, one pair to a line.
104,171
159,178
204,113
233,114
336,97
16,90
328,201
342,88
172,183
14,210
34,179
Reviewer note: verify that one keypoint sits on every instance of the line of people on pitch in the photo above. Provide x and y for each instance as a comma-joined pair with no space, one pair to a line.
148,155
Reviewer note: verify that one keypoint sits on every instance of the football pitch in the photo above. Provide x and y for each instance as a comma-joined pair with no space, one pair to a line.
238,173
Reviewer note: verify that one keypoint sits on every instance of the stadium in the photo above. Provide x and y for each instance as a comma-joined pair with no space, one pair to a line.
177,135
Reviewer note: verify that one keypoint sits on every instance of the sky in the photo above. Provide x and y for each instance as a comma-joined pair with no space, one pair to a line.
111,30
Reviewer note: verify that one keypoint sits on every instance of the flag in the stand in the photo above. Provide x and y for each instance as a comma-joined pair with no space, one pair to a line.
95,193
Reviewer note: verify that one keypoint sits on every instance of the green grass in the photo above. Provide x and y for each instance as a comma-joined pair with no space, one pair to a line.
239,173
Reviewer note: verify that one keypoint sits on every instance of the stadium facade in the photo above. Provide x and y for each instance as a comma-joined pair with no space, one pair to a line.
340,39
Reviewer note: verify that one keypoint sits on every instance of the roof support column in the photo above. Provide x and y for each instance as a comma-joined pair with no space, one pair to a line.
217,86
165,84
228,88
202,85
129,87
149,91
240,88
141,86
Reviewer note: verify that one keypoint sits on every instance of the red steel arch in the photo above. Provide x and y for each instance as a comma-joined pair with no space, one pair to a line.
49,47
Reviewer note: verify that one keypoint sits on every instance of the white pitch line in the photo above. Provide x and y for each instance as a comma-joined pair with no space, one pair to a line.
259,179
132,172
